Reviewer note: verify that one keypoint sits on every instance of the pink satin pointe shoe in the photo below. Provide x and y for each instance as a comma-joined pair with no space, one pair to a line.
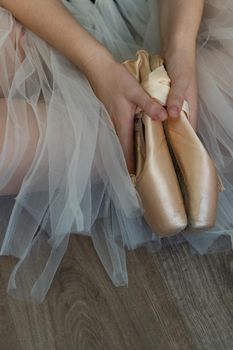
196,171
175,176
155,178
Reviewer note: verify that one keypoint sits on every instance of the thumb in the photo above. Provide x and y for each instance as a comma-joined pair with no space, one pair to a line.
176,96
149,105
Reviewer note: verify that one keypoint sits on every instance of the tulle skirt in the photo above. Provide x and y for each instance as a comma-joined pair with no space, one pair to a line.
76,180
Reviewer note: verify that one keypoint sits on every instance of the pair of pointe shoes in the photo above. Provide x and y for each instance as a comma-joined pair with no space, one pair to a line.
175,177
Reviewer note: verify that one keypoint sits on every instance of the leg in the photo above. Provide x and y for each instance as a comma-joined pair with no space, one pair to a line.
11,55
15,182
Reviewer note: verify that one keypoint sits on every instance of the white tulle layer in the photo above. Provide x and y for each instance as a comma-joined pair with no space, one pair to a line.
78,181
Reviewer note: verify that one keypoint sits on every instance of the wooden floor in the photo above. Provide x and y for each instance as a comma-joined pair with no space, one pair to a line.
175,300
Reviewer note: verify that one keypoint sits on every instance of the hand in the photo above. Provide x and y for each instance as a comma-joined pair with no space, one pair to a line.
121,94
181,67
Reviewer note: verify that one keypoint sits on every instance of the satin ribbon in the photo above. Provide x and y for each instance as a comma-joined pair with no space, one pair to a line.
158,86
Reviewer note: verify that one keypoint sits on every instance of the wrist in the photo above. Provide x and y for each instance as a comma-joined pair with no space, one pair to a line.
98,66
180,49
179,42
96,58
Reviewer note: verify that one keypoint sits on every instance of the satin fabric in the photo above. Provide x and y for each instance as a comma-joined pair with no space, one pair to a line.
157,181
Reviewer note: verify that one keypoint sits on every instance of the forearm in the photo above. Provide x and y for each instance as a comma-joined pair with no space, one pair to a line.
179,23
51,21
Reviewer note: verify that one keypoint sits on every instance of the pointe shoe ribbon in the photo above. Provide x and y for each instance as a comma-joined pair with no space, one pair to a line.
174,172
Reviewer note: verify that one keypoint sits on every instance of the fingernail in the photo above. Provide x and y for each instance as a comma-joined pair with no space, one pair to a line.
173,112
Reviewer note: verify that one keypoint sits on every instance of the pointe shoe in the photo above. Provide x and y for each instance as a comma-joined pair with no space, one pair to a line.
155,178
198,177
196,171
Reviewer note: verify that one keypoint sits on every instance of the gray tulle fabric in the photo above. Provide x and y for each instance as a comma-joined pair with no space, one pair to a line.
78,181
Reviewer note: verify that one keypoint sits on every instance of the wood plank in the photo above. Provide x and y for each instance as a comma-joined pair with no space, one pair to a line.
175,300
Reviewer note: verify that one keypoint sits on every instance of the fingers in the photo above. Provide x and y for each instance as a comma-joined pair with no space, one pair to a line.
182,89
149,105
176,96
